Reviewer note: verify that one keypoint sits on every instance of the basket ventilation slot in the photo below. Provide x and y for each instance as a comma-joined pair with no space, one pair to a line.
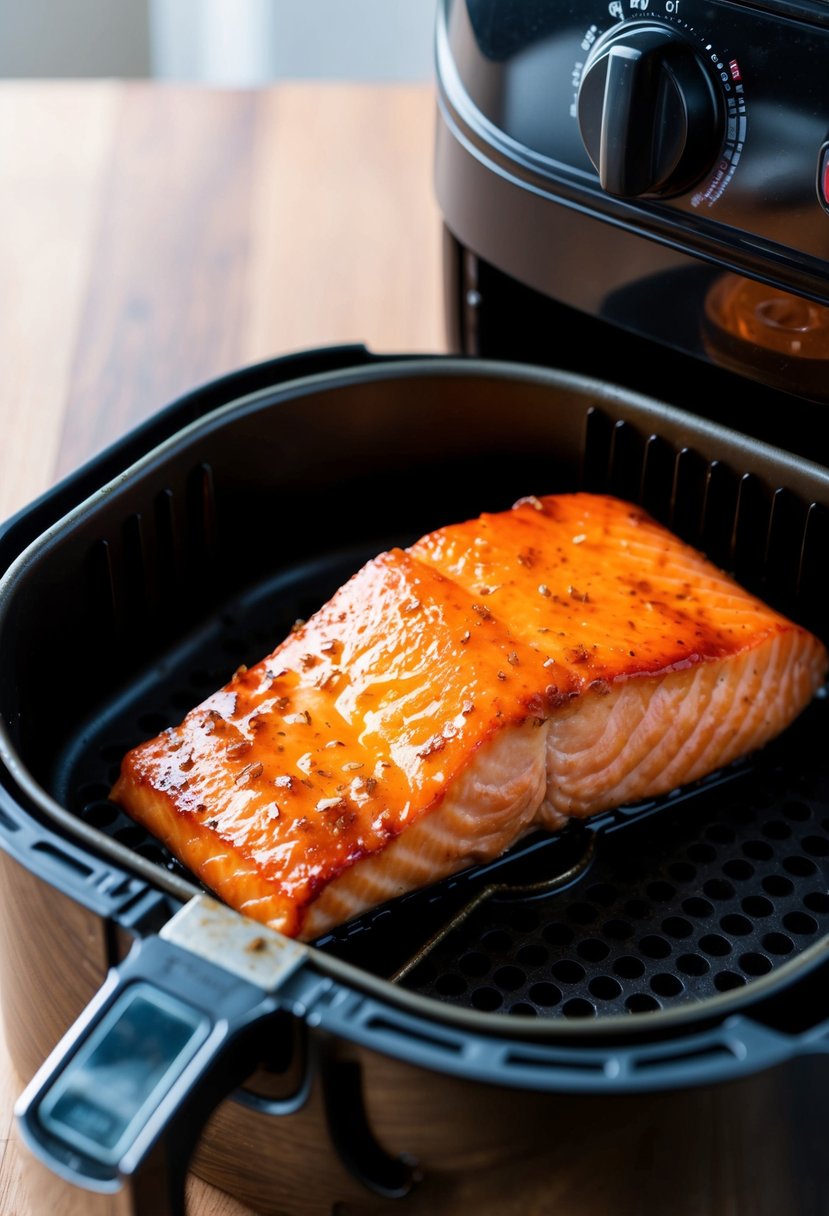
764,535
139,574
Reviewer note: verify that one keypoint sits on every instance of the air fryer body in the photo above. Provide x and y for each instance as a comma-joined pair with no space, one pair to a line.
543,264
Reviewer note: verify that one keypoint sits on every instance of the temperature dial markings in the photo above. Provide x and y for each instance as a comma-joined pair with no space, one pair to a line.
650,108
725,72
736,126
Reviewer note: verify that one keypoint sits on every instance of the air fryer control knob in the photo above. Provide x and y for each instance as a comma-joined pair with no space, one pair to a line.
650,112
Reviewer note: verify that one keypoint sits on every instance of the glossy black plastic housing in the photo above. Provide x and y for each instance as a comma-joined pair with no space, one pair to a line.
519,194
509,78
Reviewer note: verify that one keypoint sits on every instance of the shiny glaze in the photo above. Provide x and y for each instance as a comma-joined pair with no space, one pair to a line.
368,714
354,726
606,591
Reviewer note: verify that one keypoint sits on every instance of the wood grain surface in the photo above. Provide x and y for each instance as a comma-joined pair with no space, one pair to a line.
154,236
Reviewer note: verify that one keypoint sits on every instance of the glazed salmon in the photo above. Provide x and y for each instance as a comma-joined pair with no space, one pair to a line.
517,670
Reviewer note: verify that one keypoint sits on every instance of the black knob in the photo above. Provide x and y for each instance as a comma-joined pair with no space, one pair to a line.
650,112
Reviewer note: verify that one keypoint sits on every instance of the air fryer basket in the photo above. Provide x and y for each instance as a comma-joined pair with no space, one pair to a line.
654,920
249,520
702,891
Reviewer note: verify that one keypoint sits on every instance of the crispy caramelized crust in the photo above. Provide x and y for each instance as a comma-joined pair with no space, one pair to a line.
521,668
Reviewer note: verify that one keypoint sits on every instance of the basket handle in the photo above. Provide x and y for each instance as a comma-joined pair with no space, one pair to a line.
119,1105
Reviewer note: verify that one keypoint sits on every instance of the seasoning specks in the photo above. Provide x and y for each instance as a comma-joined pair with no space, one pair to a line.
250,772
328,804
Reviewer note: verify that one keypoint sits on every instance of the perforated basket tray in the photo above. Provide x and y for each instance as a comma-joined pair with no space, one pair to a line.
149,593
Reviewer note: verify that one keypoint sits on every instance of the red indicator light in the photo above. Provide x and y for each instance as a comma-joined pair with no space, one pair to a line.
734,69
823,177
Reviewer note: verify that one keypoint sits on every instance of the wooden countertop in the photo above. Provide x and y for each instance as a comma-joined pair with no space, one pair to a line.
154,236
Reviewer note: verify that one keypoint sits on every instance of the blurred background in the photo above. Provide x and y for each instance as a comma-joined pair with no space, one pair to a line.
236,43
189,186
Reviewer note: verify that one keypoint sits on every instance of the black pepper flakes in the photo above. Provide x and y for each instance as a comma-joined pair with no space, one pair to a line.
213,722
328,804
250,772
328,679
434,745
578,654
600,687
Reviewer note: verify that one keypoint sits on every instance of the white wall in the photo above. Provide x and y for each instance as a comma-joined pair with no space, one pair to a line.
226,42
252,41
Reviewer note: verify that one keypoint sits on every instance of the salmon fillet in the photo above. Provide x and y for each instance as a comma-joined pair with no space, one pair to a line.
514,671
